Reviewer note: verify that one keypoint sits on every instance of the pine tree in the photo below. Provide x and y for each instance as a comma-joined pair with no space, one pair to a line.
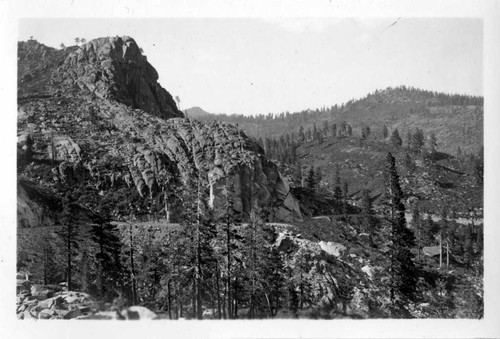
416,223
29,149
468,248
409,140
231,243
433,143
409,164
396,140
459,155
106,236
130,242
345,194
198,232
308,134
444,226
334,131
297,174
252,252
478,167
302,135
349,130
401,268
263,280
364,133
311,179
337,192
71,236
272,271
260,142
417,141
385,132
430,230
369,221
326,128
318,176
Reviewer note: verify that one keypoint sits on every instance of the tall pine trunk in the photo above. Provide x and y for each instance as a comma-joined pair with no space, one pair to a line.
224,297
101,259
68,244
193,299
218,291
169,298
132,267
228,243
199,307
235,301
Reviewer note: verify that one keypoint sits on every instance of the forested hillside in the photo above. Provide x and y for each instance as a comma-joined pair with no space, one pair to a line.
455,120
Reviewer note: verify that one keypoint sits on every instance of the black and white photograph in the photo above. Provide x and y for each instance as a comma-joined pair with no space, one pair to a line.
278,168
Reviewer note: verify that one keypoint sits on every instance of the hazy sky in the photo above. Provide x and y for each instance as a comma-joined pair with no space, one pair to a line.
254,66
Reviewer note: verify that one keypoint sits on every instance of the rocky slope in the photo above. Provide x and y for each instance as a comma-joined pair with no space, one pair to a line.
94,117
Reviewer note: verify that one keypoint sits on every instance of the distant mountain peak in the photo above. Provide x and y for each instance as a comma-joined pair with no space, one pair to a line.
196,112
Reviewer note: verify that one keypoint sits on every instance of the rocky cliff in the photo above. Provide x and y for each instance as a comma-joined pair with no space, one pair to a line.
94,117
115,68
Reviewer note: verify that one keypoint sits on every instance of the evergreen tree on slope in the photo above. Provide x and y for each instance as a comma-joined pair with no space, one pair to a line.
401,270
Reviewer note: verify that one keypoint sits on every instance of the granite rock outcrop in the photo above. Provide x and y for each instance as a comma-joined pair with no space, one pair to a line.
104,124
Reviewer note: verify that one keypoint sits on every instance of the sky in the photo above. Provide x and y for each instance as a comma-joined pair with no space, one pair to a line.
257,66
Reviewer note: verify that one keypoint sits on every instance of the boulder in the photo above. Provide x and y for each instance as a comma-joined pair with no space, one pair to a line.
42,295
70,314
46,314
284,243
28,315
368,270
64,148
358,252
333,248
45,304
138,313
431,251
38,288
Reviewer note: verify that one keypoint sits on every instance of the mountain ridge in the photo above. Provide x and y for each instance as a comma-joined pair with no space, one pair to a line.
455,119
93,117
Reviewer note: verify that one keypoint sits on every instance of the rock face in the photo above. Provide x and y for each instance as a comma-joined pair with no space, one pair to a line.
34,207
115,68
105,125
219,151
